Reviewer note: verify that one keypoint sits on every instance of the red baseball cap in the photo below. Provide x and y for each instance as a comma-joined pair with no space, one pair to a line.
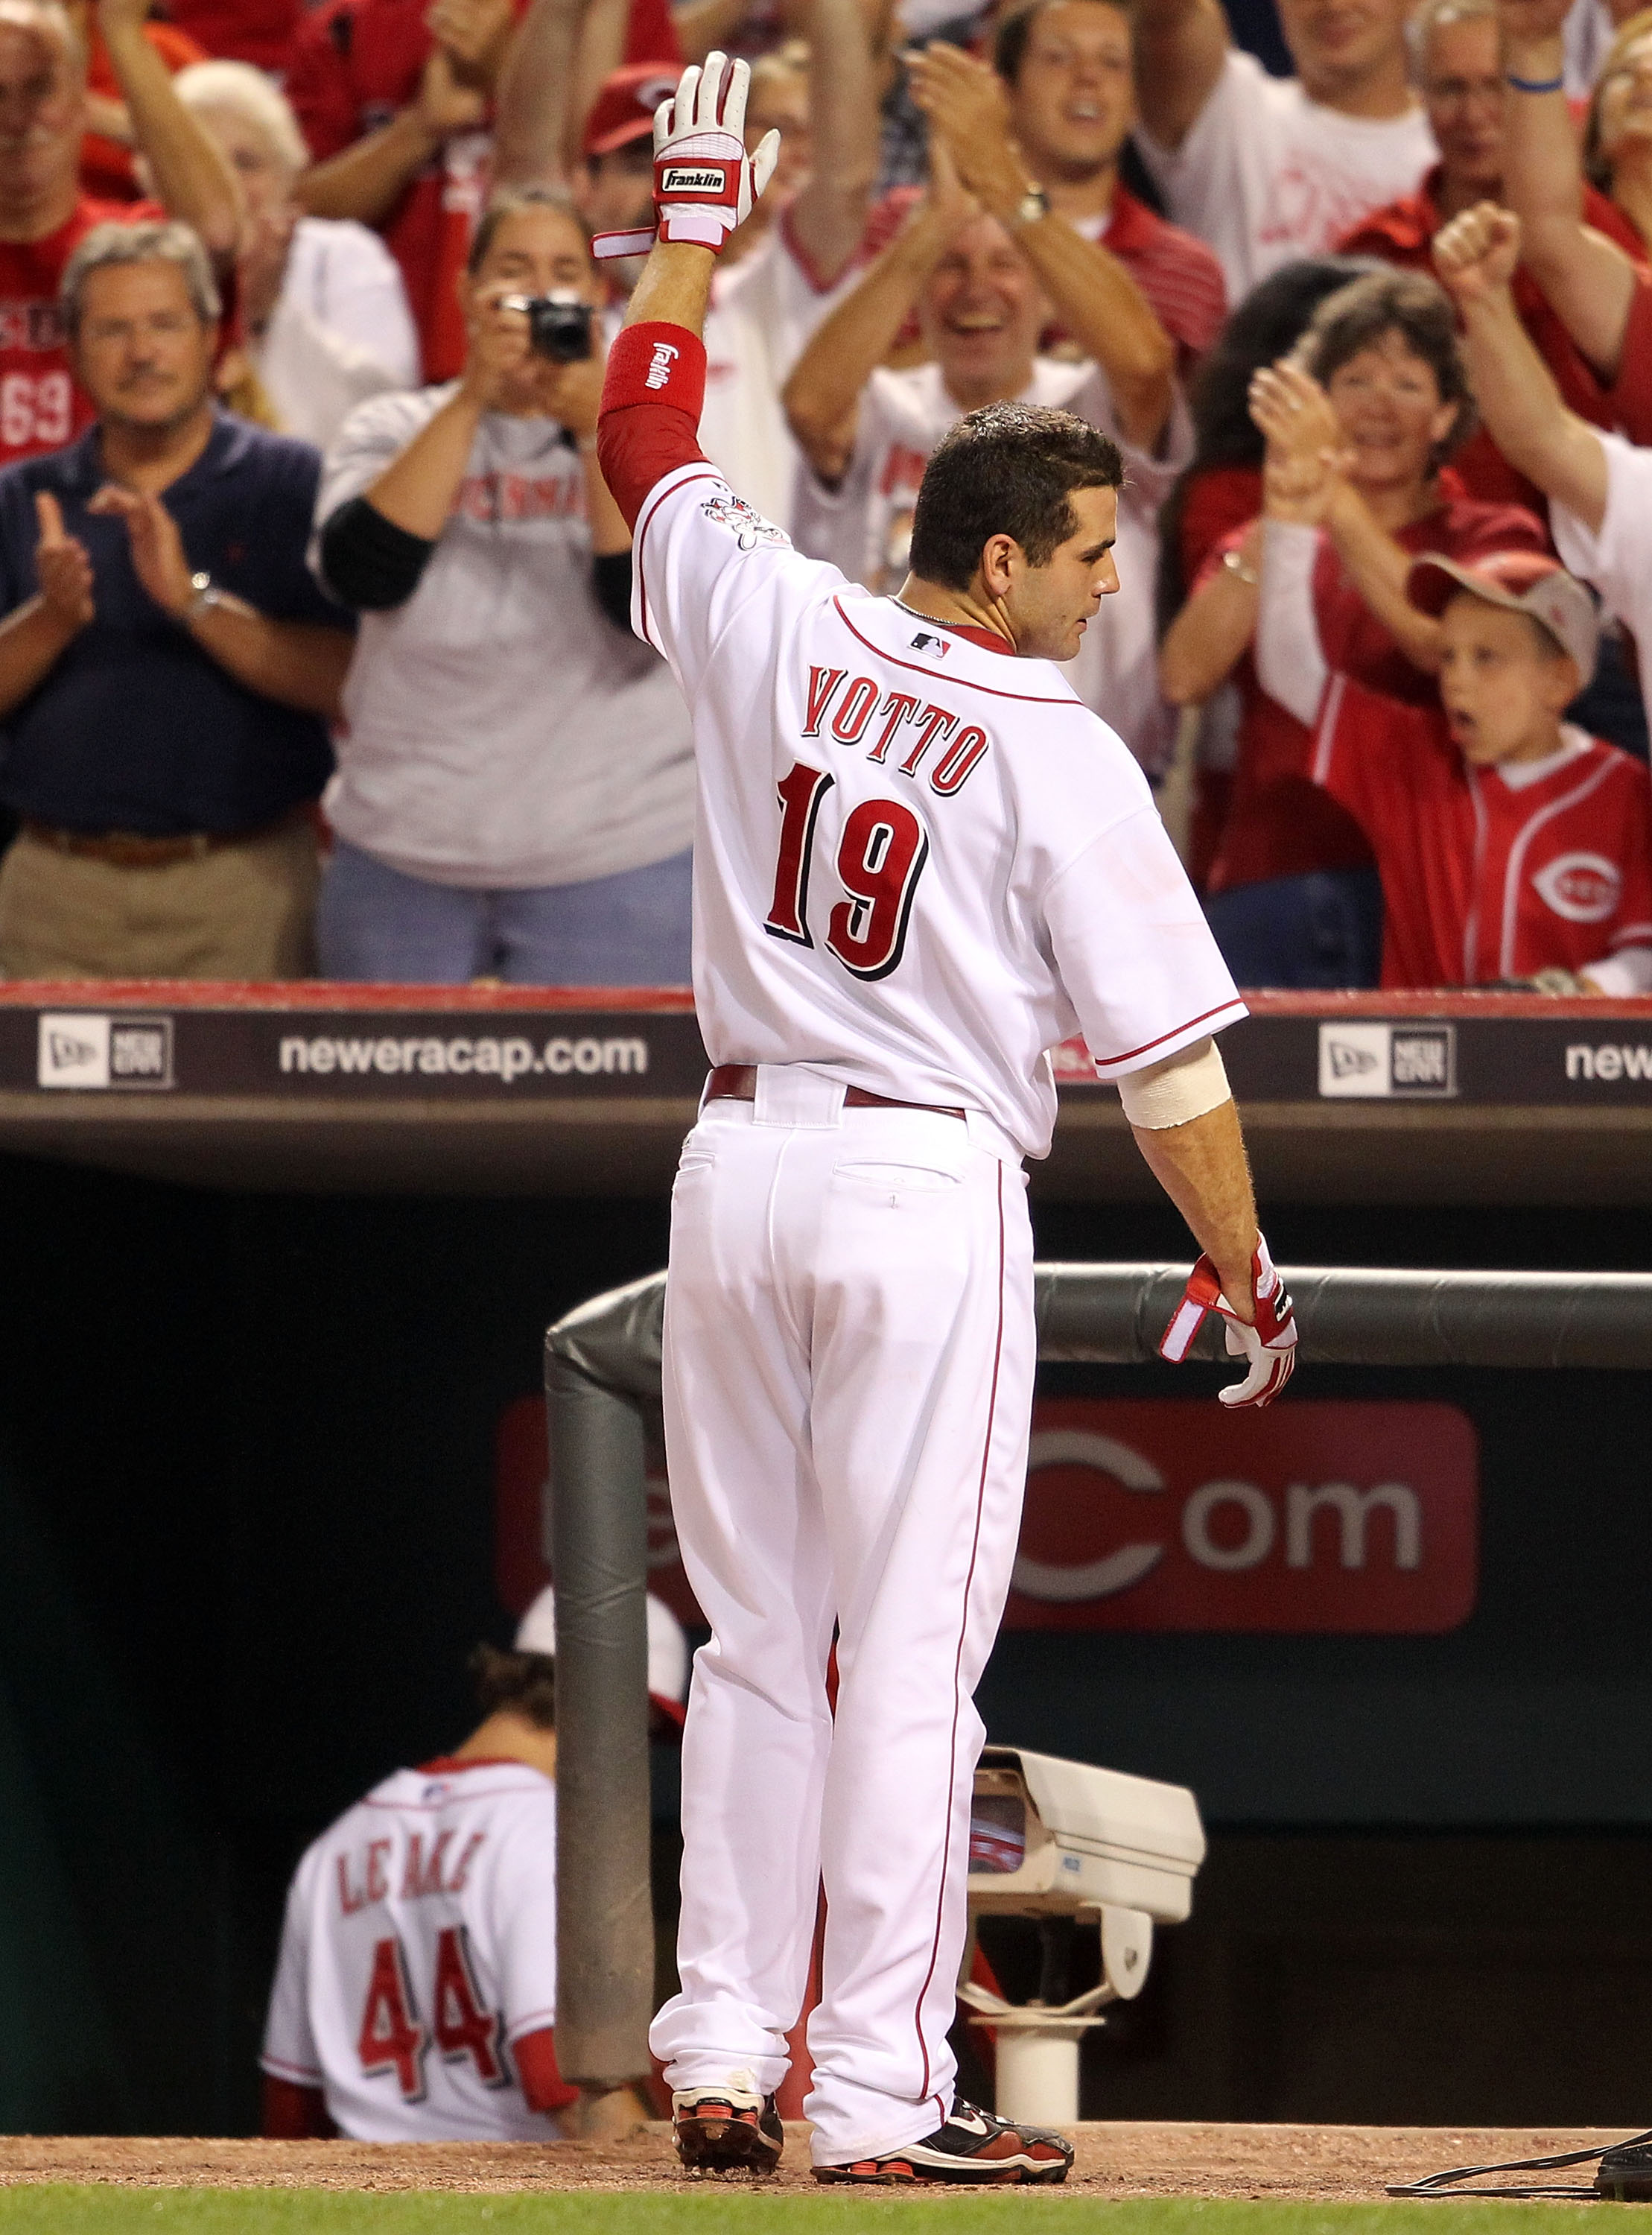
623,110
1524,582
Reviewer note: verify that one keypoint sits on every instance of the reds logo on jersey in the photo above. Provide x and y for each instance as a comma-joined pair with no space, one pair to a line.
747,526
1582,887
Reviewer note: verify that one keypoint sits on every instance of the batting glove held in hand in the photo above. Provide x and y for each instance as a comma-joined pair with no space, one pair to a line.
1270,1345
705,183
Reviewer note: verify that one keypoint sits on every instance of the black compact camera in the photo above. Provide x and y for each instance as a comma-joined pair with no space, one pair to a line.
559,325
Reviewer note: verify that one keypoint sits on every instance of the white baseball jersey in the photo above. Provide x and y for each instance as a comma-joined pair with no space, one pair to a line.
865,525
919,864
419,1942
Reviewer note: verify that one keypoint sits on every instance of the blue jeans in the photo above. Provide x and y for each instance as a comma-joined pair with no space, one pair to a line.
375,923
1322,929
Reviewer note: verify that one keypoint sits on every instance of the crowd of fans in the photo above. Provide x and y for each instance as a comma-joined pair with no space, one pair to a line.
316,652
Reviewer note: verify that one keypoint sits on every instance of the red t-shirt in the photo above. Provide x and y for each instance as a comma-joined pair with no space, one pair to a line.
258,31
1278,825
1403,233
41,407
1483,879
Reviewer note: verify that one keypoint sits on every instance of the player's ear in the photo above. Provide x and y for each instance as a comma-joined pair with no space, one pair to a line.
997,555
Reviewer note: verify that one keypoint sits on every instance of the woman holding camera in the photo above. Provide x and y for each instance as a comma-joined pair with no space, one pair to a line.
515,794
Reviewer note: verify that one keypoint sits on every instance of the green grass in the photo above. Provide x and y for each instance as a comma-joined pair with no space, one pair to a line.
100,2211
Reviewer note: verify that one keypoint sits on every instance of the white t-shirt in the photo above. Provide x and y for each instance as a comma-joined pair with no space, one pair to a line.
1266,174
1618,560
864,527
919,864
762,314
501,730
419,1942
341,330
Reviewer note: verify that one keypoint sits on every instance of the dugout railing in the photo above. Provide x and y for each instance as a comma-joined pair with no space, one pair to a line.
602,1368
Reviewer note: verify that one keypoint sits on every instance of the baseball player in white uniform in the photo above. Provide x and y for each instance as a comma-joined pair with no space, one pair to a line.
416,1993
919,862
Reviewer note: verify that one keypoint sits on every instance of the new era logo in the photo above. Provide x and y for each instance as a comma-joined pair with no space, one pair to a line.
81,1051
1371,1062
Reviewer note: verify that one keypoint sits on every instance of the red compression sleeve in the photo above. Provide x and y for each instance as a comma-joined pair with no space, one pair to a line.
652,396
294,2114
543,2084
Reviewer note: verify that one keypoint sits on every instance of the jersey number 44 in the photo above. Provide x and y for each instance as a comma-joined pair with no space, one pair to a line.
393,2038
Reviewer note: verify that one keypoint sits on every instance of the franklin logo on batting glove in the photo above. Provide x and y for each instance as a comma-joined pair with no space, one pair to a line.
1269,1346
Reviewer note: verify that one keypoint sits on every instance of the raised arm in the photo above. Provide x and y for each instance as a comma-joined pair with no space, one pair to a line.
1180,48
366,179
1290,662
531,121
829,213
1207,640
822,398
1098,300
1476,256
1589,279
192,176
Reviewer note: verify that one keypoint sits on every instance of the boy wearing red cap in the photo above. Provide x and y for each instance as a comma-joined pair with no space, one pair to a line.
1508,841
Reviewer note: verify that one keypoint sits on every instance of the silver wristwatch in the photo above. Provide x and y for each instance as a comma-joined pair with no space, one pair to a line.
204,595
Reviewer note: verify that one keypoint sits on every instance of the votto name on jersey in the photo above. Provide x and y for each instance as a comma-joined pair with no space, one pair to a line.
850,708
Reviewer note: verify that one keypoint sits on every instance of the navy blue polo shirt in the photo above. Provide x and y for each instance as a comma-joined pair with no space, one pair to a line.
136,728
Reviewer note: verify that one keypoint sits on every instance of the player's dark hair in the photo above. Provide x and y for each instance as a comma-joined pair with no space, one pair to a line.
516,1683
1009,46
1416,308
1006,470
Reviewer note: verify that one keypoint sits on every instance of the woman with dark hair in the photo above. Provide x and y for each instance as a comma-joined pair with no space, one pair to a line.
1294,898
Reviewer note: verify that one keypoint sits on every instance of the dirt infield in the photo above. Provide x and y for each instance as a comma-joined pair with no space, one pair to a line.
1316,2163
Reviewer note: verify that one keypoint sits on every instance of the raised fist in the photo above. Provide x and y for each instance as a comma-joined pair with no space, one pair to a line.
1477,254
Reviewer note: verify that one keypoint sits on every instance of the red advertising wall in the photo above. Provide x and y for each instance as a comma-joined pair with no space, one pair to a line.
1169,1515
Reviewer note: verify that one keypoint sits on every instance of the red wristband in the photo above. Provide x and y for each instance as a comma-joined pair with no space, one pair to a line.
654,363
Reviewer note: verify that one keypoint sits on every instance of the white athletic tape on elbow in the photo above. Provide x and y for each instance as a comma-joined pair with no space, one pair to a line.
1174,1093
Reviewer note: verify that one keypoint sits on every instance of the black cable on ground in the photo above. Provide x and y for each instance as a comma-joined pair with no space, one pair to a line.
1627,2180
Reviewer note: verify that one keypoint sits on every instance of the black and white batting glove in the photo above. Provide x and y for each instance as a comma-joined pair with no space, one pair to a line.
1269,1347
705,184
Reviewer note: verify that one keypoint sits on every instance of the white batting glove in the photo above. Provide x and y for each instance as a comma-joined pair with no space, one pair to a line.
1269,1346
705,184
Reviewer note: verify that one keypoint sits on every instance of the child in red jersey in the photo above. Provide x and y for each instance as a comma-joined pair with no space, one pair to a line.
1508,841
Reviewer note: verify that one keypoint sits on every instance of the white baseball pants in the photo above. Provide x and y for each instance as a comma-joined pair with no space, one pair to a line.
849,1360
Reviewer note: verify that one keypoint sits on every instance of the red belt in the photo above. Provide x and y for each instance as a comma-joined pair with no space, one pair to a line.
737,1082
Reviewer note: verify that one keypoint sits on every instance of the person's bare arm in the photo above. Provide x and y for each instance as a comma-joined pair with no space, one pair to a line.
1475,256
1094,295
1589,279
192,177
366,179
1203,1168
828,214
600,51
1207,638
1180,48
531,115
822,398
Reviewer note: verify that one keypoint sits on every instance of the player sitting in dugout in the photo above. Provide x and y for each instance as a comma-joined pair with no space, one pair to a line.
416,1993
1511,845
